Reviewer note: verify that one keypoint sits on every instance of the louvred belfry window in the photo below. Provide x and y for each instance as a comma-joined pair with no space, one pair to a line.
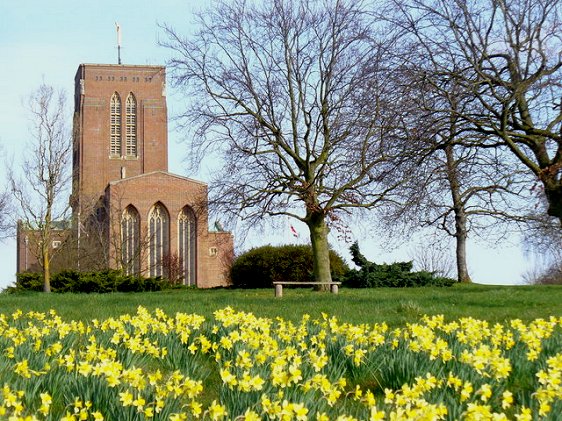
115,125
131,125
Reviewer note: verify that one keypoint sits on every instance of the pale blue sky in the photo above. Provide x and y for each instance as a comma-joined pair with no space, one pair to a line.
48,40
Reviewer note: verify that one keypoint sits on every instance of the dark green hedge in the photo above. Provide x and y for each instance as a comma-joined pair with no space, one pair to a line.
260,267
100,282
394,275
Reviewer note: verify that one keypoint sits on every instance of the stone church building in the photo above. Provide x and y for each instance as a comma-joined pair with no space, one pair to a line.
151,220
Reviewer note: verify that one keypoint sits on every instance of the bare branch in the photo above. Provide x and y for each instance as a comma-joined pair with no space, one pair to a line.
299,100
39,187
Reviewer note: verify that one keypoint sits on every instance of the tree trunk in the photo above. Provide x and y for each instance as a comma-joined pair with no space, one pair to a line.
46,268
320,250
460,236
460,216
553,193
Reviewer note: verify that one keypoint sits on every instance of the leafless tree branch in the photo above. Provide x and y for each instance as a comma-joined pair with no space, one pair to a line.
39,187
299,100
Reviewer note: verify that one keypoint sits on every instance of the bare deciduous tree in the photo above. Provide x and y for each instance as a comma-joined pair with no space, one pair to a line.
433,255
297,98
5,223
461,191
543,241
42,183
466,192
506,56
456,186
173,264
96,244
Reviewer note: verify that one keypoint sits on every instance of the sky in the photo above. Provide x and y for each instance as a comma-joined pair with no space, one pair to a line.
47,41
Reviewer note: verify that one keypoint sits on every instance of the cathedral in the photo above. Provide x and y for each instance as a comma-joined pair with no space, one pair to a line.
149,221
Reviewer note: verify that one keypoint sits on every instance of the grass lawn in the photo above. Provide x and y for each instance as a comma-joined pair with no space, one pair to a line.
394,306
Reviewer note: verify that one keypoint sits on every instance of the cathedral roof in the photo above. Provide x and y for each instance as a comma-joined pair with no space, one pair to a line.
153,174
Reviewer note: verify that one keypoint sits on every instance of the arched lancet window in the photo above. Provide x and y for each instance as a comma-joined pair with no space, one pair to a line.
187,237
131,125
130,241
158,231
115,125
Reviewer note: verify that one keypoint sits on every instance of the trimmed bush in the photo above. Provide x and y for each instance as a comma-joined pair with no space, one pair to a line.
260,267
88,282
27,281
394,275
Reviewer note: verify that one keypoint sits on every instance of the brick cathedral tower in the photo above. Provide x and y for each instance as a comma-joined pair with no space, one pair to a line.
152,222
120,126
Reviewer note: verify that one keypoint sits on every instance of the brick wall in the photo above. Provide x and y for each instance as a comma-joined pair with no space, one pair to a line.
174,193
28,242
220,258
95,84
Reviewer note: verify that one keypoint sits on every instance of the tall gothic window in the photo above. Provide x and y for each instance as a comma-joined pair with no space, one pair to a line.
158,231
187,237
130,241
115,125
131,125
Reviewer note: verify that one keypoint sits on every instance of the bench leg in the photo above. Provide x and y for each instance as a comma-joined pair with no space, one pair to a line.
334,288
278,290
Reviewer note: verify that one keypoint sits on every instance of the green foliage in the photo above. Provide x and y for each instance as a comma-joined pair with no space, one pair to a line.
27,281
89,282
394,275
260,267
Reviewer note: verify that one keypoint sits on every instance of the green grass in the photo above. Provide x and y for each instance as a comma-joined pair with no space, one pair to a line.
394,306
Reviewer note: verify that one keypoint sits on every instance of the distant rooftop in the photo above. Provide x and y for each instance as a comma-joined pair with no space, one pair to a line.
156,66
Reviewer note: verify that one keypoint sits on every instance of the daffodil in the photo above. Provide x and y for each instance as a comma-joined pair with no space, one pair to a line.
217,411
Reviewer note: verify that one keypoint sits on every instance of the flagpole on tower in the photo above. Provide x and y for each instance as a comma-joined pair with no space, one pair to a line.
118,28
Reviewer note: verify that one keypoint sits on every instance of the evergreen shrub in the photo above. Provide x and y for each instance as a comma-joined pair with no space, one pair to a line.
394,275
261,266
27,281
88,282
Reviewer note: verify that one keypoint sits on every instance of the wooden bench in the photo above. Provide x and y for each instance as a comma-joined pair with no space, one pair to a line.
279,286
